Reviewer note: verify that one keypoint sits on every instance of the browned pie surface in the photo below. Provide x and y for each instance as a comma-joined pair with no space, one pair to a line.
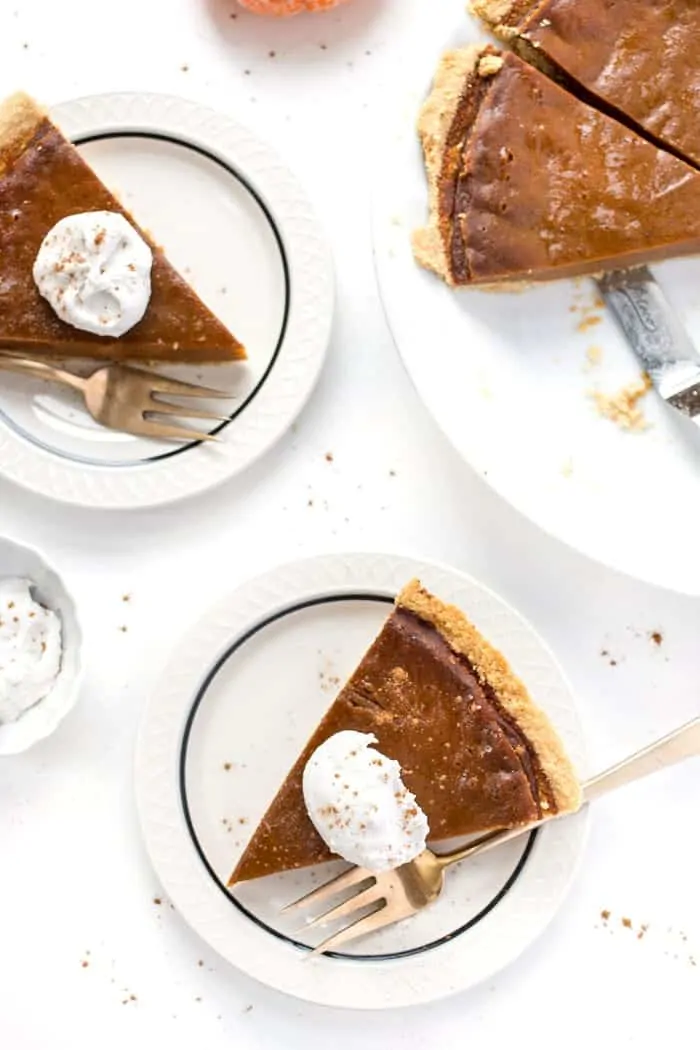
640,56
529,183
476,758
43,179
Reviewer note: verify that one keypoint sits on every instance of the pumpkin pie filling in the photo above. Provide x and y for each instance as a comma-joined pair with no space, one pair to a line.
428,647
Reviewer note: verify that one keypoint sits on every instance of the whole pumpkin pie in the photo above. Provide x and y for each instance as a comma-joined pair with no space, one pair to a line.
528,182
640,59
43,179
474,749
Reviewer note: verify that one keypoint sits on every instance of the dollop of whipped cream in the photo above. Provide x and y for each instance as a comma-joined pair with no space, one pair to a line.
95,271
30,649
359,805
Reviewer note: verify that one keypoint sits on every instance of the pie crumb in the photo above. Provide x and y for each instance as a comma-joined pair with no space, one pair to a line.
594,356
605,653
623,407
489,65
588,322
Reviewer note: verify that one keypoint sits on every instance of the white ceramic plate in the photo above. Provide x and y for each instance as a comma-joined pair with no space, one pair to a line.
236,223
507,377
234,708
16,559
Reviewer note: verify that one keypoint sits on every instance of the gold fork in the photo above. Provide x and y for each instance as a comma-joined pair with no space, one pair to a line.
399,894
124,398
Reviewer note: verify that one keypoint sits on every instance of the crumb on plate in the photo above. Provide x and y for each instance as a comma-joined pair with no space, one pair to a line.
623,407
594,356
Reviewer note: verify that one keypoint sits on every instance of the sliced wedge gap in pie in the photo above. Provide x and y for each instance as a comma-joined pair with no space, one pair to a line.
43,179
474,749
636,60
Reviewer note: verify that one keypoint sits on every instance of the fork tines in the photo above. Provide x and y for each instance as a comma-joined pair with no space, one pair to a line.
368,893
344,881
166,385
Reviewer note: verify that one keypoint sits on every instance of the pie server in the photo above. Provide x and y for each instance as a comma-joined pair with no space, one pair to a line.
663,346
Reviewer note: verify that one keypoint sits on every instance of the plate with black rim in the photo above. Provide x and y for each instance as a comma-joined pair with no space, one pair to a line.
226,722
237,225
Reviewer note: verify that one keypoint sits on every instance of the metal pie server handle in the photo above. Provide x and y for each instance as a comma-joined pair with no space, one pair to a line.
663,346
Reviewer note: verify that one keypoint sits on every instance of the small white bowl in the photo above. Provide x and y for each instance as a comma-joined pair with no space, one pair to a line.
41,719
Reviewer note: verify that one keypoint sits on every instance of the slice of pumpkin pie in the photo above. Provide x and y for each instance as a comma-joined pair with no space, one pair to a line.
529,183
78,276
474,749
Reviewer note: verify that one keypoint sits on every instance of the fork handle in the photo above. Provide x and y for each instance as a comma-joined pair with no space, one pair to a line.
676,747
41,369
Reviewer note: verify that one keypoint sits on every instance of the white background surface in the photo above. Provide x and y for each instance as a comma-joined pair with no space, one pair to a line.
73,876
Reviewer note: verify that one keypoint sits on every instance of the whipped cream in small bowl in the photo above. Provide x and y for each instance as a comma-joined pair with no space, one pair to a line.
40,648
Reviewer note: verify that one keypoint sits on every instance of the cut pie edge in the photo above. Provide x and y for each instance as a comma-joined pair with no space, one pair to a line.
453,79
20,116
493,669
